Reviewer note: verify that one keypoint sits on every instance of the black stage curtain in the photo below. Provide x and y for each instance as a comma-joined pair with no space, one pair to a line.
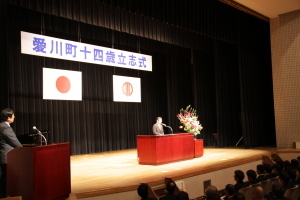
257,105
211,63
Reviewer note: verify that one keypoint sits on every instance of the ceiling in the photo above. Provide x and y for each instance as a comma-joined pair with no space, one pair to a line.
271,8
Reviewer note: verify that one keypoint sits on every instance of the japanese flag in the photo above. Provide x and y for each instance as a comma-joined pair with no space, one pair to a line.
127,89
62,84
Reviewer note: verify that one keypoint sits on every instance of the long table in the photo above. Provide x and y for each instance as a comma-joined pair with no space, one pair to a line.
156,150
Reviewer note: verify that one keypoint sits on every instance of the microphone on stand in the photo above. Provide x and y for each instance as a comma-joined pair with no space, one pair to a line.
40,133
34,128
168,127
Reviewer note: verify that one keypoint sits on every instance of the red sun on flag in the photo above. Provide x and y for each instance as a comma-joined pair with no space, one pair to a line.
63,84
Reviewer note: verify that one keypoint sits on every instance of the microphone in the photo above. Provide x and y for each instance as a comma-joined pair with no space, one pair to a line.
163,124
34,128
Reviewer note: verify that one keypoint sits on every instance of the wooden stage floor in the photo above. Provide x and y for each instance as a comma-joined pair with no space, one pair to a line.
119,171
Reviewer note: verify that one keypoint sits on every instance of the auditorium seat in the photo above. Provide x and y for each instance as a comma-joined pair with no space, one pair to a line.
271,181
264,185
246,192
289,193
296,193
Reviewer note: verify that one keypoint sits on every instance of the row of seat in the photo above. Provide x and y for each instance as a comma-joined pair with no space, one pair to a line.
292,193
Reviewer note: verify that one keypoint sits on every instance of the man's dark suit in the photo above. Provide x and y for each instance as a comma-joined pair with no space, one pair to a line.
158,129
8,141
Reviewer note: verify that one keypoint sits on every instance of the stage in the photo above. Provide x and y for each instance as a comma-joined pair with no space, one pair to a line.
118,171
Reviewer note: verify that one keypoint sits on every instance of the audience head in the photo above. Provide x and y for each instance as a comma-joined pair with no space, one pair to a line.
257,193
284,177
292,174
268,168
277,189
287,165
230,189
294,163
238,196
260,169
211,193
280,163
298,158
251,175
298,168
276,168
239,175
170,187
182,196
143,190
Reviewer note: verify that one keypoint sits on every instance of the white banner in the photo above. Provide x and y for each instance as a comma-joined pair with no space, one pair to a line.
127,89
62,84
41,45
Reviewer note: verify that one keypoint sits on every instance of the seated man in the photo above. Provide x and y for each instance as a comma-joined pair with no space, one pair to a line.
276,193
212,193
182,196
260,170
143,192
229,191
238,196
239,178
284,179
268,171
170,187
251,174
276,169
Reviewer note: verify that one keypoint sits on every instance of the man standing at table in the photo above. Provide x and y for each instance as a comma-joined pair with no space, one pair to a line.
8,141
157,128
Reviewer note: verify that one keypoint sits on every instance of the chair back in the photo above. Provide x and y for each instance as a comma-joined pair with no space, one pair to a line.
264,185
289,193
269,184
246,192
296,193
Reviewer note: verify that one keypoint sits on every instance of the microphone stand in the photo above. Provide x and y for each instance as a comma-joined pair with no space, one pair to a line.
169,128
42,139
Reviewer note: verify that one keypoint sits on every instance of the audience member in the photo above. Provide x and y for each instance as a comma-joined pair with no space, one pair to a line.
212,193
260,170
143,192
277,192
287,165
284,179
298,180
251,174
239,178
294,164
257,193
276,169
170,187
292,174
281,164
268,171
298,158
182,196
229,191
238,196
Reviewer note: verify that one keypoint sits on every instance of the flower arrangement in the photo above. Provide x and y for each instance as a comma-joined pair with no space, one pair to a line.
189,120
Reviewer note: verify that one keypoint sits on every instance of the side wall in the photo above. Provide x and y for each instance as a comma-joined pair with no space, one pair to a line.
285,44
